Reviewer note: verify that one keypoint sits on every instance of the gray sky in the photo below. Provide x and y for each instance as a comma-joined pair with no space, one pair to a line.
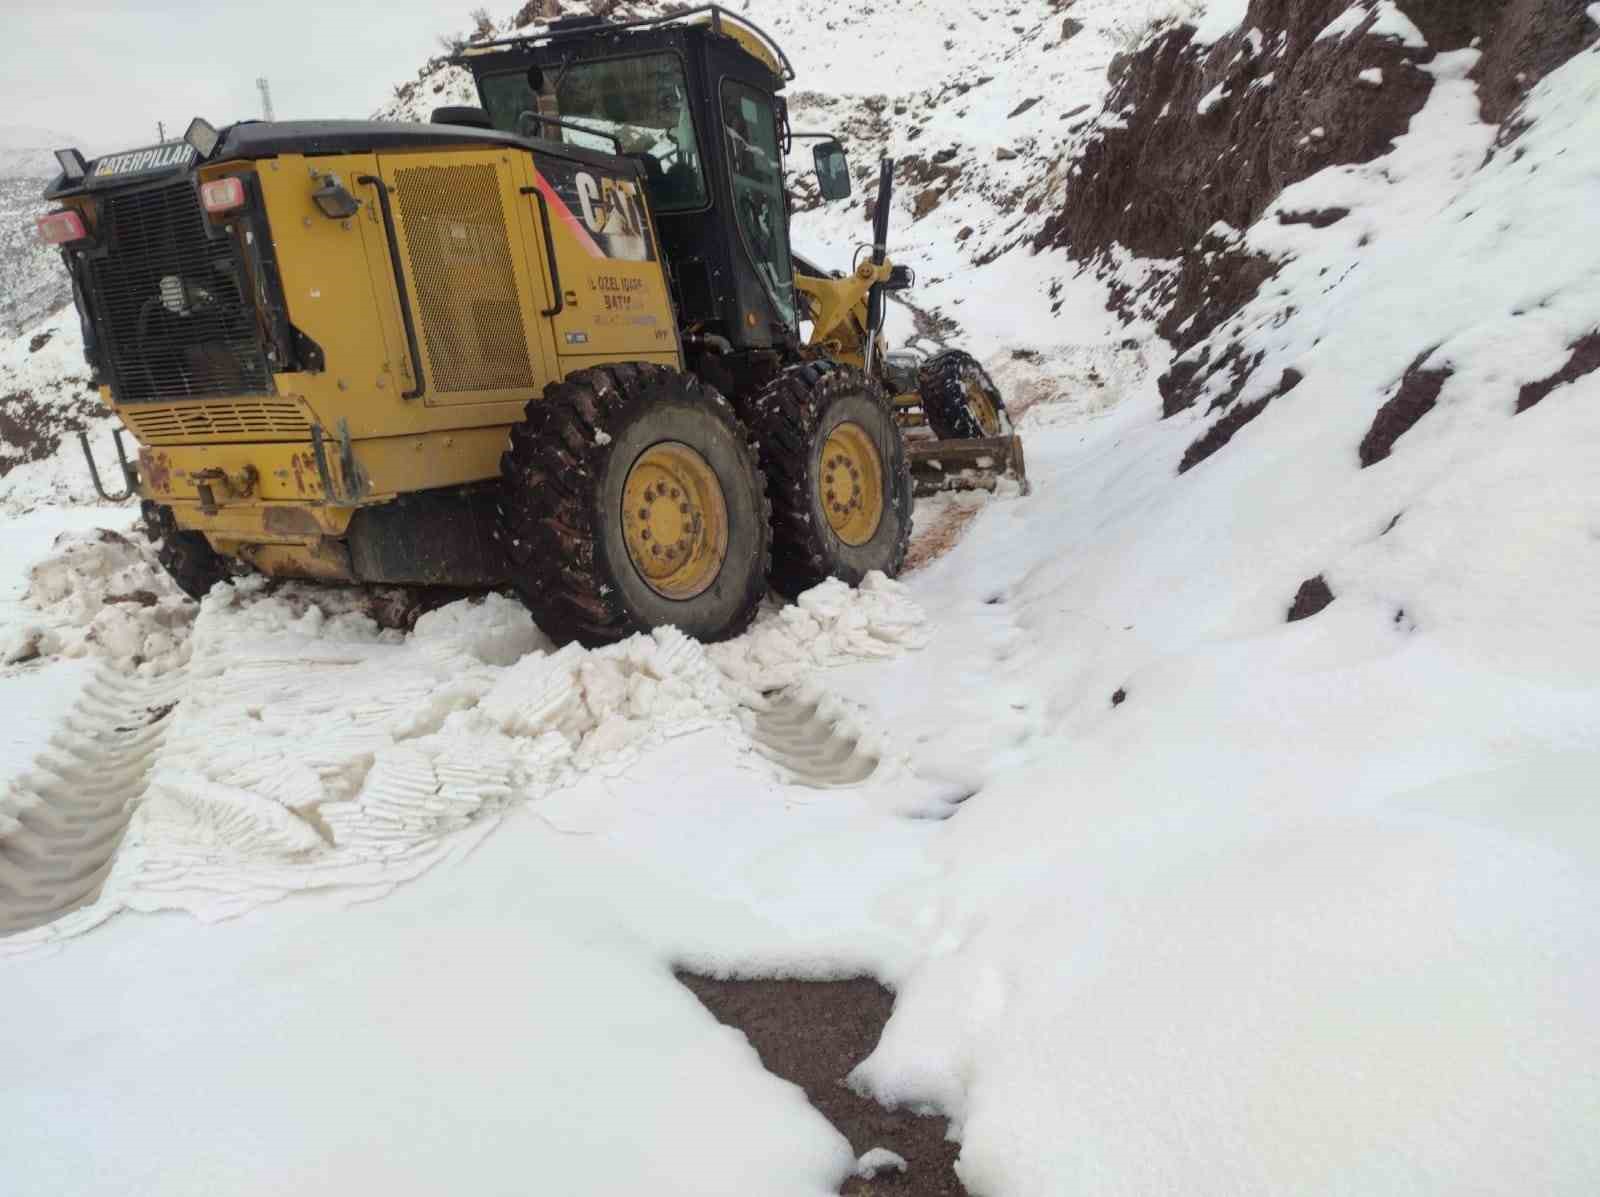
107,71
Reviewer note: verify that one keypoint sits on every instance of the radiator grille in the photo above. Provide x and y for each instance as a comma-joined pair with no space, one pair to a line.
269,419
461,270
168,301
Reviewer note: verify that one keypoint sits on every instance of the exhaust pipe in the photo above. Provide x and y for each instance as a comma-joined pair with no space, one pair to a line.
880,250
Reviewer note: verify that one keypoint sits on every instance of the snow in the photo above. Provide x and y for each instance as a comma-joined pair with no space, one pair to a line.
261,787
1372,76
1217,19
1312,910
1212,98
1389,22
878,1160
53,379
35,696
1393,23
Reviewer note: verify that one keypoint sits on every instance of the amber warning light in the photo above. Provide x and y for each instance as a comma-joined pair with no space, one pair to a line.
58,228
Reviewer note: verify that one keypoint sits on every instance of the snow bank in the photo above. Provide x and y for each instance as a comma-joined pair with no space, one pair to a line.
1251,904
44,400
102,594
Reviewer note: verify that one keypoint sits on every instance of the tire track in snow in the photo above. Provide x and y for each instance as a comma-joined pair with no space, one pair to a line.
62,821
795,734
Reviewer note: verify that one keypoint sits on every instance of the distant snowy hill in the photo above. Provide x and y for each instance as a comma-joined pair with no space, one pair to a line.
32,281
28,152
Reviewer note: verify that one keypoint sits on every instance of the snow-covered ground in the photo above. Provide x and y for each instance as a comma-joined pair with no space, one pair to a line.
1174,895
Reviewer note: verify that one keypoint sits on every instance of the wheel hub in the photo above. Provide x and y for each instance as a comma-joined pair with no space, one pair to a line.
675,520
852,484
982,408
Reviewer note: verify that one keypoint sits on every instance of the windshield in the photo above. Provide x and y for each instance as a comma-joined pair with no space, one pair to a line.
642,102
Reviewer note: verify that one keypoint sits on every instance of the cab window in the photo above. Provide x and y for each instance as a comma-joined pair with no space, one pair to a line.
640,101
756,169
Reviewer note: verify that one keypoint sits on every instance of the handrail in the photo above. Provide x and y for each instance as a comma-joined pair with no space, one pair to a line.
616,142
549,252
399,284
128,475
555,35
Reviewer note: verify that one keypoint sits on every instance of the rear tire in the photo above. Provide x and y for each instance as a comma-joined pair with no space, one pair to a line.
613,464
822,426
959,398
188,557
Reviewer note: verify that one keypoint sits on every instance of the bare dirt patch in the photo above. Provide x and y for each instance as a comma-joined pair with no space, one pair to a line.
1314,594
32,429
1220,433
938,531
1585,359
813,1033
1418,392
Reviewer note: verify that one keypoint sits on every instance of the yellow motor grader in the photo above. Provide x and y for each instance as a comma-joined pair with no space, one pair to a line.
552,342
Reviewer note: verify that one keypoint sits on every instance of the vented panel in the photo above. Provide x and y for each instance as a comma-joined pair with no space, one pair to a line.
168,302
461,272
268,419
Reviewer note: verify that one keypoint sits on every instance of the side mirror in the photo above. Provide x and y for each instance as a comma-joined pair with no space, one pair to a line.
462,115
833,170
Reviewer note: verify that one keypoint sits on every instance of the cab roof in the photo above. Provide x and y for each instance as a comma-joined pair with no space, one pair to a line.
749,36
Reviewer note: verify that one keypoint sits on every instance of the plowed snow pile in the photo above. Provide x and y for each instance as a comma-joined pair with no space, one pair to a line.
1233,828
307,750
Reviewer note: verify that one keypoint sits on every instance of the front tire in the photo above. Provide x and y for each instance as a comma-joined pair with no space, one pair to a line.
837,476
959,398
632,499
188,557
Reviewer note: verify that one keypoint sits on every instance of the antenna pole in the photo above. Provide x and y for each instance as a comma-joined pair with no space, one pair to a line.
266,98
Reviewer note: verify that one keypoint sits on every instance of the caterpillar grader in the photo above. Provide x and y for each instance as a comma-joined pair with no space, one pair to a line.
552,342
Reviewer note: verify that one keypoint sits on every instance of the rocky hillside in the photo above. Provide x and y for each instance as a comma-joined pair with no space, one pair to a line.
1209,126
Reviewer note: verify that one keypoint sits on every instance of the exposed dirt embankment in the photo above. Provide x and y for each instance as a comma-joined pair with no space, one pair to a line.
1214,133
1197,141
1522,41
1206,136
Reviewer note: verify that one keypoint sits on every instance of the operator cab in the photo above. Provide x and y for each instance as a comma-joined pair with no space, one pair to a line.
694,100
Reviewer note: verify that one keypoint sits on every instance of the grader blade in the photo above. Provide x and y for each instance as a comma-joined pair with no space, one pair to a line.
967,464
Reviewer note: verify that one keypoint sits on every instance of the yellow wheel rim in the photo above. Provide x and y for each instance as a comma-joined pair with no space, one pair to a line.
982,408
675,520
852,484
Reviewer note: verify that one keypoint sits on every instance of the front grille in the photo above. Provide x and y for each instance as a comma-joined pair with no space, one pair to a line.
174,320
247,419
461,267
